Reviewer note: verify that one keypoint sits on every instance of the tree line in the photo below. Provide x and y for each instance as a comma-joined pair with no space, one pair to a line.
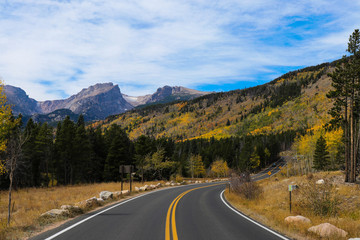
72,153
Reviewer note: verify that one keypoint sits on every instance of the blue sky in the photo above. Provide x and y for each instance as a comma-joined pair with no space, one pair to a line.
53,49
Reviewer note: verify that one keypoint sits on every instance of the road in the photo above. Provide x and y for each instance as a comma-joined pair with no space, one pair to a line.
189,212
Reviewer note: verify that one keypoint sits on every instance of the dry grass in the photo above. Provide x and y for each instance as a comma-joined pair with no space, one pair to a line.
273,206
30,203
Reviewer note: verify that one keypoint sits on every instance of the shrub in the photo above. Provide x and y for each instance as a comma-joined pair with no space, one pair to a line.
243,186
321,199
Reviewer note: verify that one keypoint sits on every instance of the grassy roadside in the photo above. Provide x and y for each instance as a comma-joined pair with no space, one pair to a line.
272,207
30,203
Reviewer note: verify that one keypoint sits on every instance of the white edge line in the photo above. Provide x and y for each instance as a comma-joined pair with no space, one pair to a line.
107,209
249,219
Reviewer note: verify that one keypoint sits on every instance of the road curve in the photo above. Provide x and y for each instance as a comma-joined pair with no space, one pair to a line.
199,213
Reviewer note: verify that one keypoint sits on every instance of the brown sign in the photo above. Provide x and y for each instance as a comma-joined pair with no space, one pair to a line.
125,169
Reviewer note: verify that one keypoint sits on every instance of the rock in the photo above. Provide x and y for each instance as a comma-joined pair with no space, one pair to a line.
105,195
172,184
354,238
167,184
321,181
55,213
117,194
137,189
151,187
144,188
159,185
125,192
327,230
178,184
297,219
70,208
207,181
100,201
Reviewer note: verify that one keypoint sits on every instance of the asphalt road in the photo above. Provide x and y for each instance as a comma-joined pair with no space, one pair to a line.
187,212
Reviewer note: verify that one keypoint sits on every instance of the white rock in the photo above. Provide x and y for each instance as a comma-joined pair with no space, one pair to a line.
144,188
117,194
321,181
297,219
168,184
159,185
55,213
137,189
327,230
125,192
151,187
70,208
354,238
172,184
105,195
100,201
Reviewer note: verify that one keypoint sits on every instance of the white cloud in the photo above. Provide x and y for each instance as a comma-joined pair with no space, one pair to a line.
56,48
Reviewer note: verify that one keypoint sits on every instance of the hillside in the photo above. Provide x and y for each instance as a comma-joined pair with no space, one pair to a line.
297,100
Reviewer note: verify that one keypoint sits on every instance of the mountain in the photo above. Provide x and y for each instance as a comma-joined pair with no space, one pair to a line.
164,95
95,102
52,118
19,101
295,101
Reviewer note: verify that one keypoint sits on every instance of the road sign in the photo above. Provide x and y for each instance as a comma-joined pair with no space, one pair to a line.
125,169
269,173
290,188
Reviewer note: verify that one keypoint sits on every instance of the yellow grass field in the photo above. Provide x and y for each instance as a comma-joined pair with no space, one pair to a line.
272,207
30,203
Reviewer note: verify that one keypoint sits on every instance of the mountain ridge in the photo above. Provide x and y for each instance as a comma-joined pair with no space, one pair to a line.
95,102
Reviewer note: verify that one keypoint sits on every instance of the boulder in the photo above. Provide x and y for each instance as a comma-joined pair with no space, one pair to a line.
55,213
137,189
105,195
70,208
172,184
327,230
117,194
91,202
151,187
159,185
100,201
320,181
354,238
168,184
297,219
144,188
125,192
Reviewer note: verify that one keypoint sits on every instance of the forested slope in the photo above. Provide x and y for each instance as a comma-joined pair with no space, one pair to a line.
294,101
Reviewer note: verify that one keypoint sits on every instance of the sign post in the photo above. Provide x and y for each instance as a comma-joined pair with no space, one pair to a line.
126,169
290,190
269,173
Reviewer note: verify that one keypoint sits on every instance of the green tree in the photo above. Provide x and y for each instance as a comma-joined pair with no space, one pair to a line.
345,112
321,155
64,147
44,148
82,150
118,152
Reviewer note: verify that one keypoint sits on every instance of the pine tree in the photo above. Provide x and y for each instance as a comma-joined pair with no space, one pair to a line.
321,155
82,167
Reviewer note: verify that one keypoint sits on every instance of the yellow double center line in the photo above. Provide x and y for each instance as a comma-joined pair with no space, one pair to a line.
171,214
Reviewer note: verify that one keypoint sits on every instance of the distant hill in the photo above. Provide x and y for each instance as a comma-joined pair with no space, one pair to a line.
95,102
297,100
52,118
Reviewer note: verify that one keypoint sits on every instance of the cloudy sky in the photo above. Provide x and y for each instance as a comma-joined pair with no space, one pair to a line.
52,49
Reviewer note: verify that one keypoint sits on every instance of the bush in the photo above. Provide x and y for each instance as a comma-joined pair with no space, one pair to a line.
243,186
321,199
